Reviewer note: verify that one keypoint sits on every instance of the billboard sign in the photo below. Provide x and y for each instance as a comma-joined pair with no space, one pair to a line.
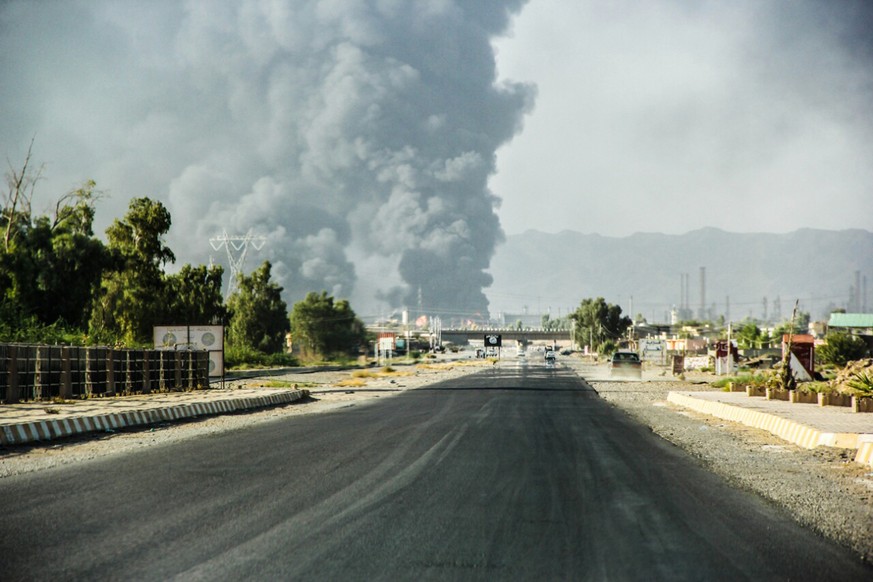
653,350
194,337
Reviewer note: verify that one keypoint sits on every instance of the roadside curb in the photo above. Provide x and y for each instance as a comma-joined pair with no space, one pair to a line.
788,430
46,430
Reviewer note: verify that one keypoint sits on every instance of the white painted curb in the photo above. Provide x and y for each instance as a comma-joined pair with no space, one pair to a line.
788,430
46,430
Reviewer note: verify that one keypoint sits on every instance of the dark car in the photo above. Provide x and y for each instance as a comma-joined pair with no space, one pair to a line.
625,364
550,357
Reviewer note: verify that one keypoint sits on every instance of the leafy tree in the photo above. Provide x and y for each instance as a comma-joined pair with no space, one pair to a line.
599,322
193,296
560,323
841,348
801,325
750,336
52,265
326,328
132,291
258,314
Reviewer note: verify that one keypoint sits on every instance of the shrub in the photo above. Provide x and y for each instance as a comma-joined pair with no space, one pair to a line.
842,348
244,357
863,383
607,347
743,380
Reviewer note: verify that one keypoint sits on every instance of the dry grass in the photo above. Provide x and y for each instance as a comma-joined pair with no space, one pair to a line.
352,383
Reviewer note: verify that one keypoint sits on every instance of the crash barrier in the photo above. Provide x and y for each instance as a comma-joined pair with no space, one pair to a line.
38,372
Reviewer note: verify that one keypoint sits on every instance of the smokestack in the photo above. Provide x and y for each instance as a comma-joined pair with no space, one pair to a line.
864,295
681,291
702,313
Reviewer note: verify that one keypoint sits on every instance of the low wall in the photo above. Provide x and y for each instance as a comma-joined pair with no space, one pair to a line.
39,372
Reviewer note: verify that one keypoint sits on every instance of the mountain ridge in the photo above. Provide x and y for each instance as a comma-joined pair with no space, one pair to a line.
541,272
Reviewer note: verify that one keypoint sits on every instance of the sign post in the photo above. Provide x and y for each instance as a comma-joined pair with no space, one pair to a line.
493,340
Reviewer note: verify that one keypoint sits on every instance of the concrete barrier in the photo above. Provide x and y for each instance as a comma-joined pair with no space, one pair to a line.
46,430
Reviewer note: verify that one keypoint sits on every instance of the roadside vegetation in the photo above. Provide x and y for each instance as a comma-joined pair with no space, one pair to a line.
61,284
600,325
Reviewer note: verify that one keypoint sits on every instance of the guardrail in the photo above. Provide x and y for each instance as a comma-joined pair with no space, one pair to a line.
40,372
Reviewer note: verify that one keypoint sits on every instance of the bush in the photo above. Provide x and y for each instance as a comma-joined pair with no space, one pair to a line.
842,348
862,383
607,348
742,380
243,357
31,331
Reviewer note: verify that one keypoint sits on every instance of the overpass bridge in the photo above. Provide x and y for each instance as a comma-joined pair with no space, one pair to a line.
525,336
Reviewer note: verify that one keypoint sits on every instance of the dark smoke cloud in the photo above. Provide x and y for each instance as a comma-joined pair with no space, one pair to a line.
356,136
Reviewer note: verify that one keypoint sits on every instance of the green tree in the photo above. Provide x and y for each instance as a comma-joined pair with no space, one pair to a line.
750,336
52,266
841,348
193,296
258,314
599,323
132,290
326,328
801,325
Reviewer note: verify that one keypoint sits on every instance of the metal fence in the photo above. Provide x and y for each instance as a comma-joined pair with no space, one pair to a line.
36,372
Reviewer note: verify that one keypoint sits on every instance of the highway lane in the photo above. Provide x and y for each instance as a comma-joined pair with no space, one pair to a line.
513,473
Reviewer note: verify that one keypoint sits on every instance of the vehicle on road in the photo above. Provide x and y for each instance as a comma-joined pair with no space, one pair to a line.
626,364
550,357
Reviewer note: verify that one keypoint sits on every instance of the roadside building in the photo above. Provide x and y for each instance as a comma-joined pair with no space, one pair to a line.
860,324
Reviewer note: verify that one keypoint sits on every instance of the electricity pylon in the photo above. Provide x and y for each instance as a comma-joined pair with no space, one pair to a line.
237,248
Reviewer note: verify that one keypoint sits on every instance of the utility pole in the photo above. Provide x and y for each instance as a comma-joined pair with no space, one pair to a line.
786,375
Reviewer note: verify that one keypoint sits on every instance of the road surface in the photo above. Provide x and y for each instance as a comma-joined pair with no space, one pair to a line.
515,473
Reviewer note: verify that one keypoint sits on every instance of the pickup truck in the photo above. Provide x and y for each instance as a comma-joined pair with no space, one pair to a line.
625,364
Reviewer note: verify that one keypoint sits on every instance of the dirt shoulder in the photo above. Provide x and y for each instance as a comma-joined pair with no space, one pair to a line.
823,488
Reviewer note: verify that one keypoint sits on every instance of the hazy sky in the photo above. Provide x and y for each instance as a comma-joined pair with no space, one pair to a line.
384,147
667,116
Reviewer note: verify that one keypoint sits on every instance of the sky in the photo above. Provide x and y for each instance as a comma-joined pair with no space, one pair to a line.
669,116
384,149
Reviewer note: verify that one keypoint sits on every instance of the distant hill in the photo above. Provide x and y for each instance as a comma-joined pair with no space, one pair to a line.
542,271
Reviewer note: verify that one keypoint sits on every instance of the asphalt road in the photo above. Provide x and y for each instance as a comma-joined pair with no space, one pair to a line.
509,474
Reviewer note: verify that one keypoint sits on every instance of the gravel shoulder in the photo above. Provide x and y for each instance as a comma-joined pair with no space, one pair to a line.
823,489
